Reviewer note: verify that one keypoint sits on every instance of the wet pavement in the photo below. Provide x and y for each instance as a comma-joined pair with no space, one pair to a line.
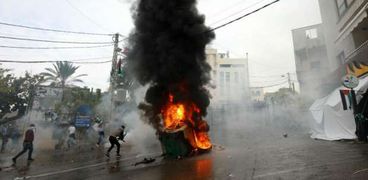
242,150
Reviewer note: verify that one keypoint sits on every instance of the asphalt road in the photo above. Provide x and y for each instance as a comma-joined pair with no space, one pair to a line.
245,148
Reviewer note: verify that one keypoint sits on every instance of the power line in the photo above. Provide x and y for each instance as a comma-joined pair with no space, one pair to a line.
52,41
254,4
84,15
269,81
241,17
54,30
93,58
236,4
79,59
59,47
101,62
284,75
273,85
124,37
52,61
267,76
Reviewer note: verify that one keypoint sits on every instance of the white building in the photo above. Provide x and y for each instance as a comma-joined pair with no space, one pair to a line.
345,24
230,77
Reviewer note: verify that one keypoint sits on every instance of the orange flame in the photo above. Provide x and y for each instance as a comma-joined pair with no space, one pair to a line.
178,116
174,116
202,140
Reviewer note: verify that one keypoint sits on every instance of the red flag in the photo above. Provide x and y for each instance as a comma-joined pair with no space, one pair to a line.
125,51
345,92
119,66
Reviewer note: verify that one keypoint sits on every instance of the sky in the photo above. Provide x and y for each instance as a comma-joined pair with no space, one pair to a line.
265,36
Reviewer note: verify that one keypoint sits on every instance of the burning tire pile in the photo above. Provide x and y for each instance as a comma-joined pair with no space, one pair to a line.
167,52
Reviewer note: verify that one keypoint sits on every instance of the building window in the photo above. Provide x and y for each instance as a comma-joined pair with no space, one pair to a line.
222,55
311,33
227,77
222,83
222,78
301,54
238,65
236,77
227,81
315,65
225,65
343,5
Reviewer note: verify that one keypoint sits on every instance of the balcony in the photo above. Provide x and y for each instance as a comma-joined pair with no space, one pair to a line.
357,62
359,55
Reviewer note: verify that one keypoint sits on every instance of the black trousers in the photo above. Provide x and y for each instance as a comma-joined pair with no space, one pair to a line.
113,142
26,146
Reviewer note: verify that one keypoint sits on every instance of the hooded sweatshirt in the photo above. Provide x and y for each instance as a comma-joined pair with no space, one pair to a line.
29,135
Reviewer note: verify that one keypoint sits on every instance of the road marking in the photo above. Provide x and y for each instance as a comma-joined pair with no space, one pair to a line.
362,170
278,172
305,167
79,168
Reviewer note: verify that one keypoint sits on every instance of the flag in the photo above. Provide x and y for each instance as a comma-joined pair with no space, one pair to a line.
119,66
343,99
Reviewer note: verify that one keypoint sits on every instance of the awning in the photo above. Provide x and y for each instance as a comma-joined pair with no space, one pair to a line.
352,24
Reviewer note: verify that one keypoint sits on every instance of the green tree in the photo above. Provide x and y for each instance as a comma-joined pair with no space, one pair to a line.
6,92
75,97
62,74
283,96
16,92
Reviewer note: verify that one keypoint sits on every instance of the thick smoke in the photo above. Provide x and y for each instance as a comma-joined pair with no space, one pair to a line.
167,51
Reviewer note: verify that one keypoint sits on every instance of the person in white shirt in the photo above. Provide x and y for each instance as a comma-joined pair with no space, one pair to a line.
71,134
101,134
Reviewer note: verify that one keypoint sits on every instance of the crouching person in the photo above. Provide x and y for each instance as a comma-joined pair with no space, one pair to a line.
114,140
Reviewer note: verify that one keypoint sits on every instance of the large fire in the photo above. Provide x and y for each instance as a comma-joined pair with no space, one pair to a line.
186,116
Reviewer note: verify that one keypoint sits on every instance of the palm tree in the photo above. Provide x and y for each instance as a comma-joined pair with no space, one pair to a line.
61,74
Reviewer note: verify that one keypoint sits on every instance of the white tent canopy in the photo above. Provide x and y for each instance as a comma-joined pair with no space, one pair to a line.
330,121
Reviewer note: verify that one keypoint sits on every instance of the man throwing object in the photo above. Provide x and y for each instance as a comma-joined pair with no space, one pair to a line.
114,140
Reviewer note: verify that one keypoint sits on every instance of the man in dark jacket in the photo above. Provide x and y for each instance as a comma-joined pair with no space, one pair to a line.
27,144
114,140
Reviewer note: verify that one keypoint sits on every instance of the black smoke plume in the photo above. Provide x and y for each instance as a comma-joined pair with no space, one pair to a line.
167,51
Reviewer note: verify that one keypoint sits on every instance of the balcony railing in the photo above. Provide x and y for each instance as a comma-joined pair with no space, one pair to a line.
358,55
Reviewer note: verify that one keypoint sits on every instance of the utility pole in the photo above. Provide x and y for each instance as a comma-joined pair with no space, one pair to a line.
113,73
289,80
114,60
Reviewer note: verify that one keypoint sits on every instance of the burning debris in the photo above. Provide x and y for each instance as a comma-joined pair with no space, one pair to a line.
145,161
167,51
